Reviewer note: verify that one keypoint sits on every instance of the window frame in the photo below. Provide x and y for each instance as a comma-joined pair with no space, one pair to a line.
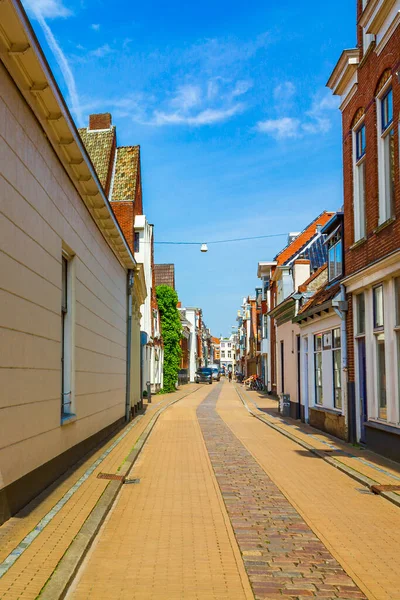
334,244
67,337
359,180
319,397
386,131
380,366
337,351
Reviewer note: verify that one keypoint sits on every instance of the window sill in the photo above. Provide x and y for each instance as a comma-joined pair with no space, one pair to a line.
358,243
383,426
322,408
384,224
67,419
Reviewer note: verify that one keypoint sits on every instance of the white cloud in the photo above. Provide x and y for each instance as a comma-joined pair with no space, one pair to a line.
186,97
286,127
316,120
95,26
101,51
204,117
48,9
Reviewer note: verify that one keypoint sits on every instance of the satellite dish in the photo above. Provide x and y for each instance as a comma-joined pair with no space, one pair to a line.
204,248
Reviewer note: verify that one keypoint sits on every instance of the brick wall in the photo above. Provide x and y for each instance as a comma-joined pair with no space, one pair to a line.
378,243
125,215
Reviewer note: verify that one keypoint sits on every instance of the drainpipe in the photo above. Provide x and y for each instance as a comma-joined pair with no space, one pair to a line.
341,308
129,346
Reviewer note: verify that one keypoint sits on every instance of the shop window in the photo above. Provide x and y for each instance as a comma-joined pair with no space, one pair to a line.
318,368
397,333
66,337
337,368
380,353
360,307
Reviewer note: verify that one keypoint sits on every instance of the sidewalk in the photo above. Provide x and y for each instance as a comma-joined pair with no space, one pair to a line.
365,466
168,537
33,542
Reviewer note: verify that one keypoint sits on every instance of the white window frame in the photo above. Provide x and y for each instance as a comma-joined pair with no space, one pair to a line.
359,166
68,342
385,201
336,273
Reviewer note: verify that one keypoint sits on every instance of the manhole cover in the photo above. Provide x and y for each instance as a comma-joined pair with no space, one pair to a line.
132,481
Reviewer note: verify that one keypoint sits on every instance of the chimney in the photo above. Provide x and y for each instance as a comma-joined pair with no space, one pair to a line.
102,121
301,272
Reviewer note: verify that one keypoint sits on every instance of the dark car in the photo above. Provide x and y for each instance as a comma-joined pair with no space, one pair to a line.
203,375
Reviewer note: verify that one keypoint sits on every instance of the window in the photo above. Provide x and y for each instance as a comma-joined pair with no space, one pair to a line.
378,307
229,345
359,141
335,266
337,368
397,331
66,321
318,368
386,157
137,242
229,354
360,303
380,351
223,354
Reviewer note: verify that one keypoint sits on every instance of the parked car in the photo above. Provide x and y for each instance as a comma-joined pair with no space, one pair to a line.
216,374
204,375
222,372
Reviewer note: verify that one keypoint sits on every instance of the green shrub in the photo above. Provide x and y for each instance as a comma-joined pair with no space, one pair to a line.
171,330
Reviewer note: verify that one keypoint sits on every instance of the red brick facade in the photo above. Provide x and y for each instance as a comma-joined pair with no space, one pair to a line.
379,241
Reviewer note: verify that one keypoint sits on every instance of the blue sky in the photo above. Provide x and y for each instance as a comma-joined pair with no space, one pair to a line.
239,136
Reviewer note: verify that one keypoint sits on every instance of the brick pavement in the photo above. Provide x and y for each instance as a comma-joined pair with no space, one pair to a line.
381,470
361,530
283,557
30,572
169,536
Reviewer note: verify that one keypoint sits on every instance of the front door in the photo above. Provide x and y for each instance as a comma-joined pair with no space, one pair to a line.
362,389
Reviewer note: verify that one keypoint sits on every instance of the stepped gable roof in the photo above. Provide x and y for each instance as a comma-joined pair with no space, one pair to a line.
326,293
99,144
303,239
125,178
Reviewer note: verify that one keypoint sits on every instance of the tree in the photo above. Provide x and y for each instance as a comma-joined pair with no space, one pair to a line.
171,329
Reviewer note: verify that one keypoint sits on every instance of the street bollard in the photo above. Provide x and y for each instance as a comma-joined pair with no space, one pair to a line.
148,385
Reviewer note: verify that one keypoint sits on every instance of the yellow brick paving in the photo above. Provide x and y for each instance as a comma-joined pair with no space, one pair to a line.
168,537
320,440
27,576
362,531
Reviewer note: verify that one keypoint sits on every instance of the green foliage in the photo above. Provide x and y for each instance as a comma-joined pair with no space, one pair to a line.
171,329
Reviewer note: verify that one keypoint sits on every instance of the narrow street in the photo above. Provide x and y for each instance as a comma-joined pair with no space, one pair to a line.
226,507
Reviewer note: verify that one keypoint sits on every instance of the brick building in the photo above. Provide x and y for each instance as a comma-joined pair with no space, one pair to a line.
164,275
367,80
119,171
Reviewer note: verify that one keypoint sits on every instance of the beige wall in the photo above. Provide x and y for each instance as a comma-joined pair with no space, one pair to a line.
287,333
40,211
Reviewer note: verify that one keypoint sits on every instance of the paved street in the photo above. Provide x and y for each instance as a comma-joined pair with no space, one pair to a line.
226,507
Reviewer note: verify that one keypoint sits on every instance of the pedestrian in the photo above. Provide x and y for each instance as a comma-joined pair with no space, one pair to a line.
230,375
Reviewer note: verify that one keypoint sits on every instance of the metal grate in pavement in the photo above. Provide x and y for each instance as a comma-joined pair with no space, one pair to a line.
111,476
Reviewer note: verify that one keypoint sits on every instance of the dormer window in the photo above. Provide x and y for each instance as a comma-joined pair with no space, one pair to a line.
335,261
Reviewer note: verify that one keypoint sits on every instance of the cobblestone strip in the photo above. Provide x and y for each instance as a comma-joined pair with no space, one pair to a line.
282,556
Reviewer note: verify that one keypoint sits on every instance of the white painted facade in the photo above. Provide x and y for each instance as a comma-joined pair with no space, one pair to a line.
152,355
228,353
191,317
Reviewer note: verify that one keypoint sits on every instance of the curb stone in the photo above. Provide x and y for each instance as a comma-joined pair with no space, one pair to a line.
363,479
57,585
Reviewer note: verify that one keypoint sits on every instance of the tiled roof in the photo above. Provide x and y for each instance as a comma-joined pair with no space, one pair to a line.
98,144
164,275
301,241
324,294
125,173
